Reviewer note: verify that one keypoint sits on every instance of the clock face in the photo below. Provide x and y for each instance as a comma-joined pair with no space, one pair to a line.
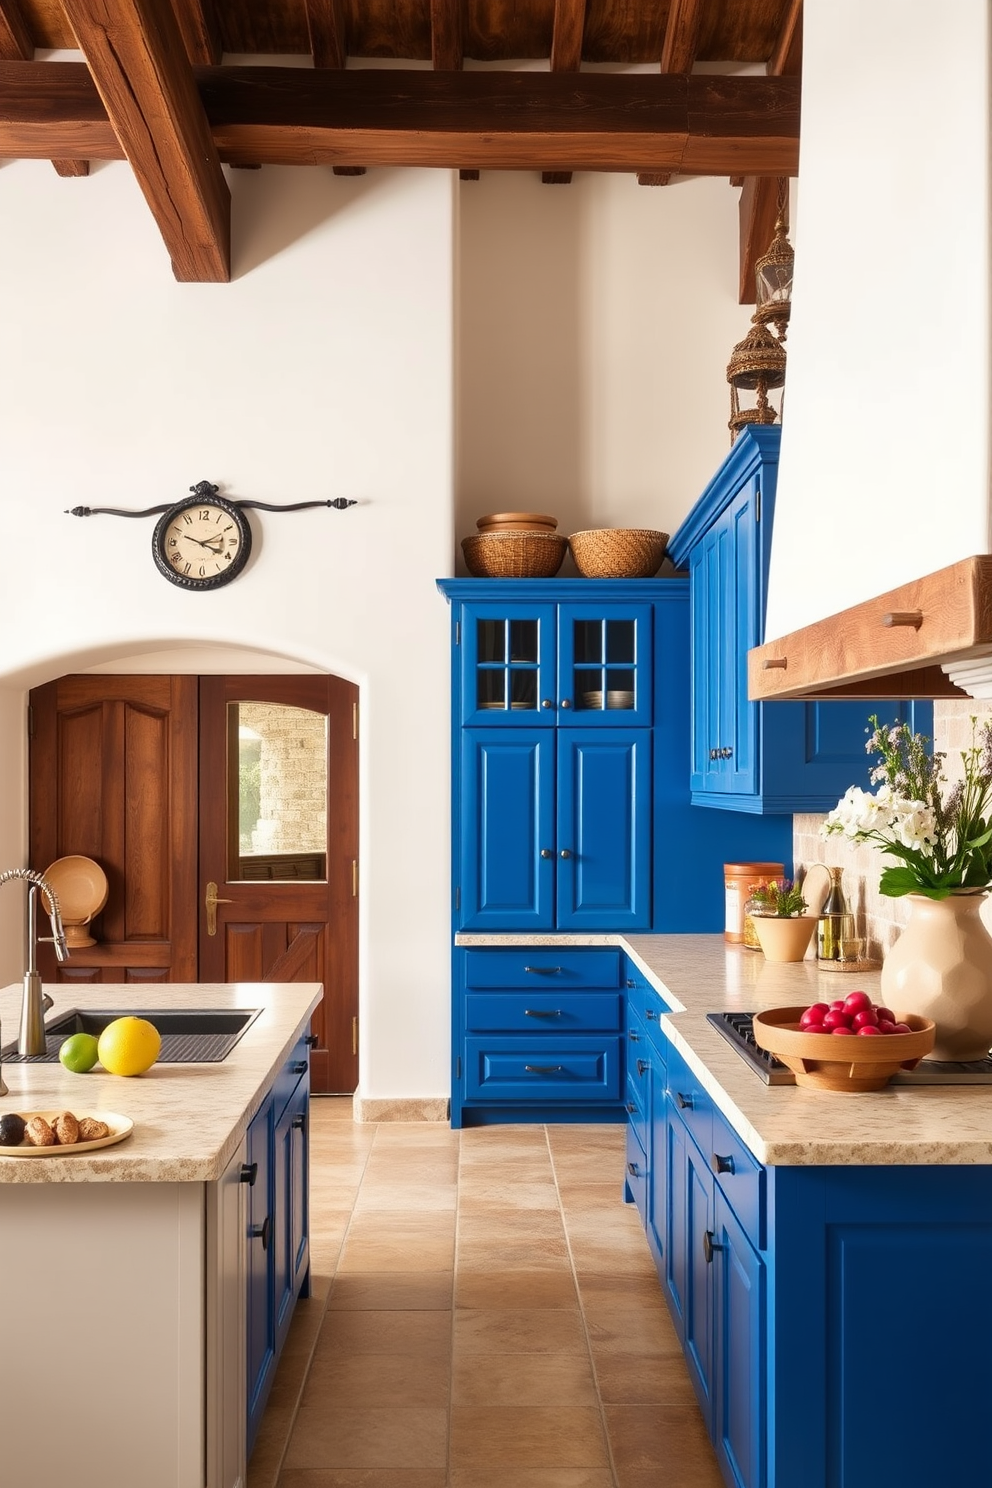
202,543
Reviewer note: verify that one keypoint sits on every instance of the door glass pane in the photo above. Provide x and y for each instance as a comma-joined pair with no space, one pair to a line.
620,642
277,792
588,690
587,637
523,640
619,688
491,690
491,640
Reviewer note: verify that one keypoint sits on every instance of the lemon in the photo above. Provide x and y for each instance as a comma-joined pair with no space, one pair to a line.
129,1046
79,1052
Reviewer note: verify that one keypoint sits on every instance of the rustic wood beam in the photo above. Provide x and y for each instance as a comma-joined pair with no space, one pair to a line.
137,59
328,27
16,44
71,167
786,60
200,31
678,51
446,35
758,208
699,125
349,170
566,56
645,178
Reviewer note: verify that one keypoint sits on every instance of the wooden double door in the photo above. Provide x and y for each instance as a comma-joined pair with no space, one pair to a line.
141,773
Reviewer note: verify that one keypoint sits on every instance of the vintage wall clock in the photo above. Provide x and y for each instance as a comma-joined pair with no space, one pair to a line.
201,542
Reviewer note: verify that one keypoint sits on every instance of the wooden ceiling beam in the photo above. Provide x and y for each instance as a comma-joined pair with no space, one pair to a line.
566,56
137,59
678,52
701,125
200,31
16,44
328,27
787,58
446,35
759,196
70,168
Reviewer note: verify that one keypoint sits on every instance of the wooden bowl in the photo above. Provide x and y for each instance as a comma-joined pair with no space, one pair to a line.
517,522
858,1064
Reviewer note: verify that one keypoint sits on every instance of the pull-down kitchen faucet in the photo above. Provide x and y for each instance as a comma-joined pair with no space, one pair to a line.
34,1003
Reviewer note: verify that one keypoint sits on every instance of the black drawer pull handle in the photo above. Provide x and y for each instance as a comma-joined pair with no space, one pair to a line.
543,970
542,1012
684,1102
631,1107
299,1066
709,1247
543,1069
642,1065
634,1037
722,1164
248,1174
632,1169
311,1041
300,1121
262,1232
650,1013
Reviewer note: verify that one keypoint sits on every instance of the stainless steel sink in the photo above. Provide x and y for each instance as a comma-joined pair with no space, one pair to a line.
189,1035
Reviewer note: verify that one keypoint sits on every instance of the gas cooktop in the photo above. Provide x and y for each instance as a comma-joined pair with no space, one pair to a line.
736,1029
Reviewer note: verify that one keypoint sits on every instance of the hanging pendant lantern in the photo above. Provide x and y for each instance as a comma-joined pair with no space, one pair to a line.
773,272
757,364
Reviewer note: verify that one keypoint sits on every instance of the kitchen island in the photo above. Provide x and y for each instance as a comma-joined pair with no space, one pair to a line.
132,1294
826,1257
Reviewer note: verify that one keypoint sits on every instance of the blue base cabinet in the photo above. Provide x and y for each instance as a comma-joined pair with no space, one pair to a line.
803,1298
571,815
759,757
277,1265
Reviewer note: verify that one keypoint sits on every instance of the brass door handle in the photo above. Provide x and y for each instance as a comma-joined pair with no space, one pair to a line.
211,901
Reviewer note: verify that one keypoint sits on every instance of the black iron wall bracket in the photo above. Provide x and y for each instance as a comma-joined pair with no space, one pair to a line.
204,489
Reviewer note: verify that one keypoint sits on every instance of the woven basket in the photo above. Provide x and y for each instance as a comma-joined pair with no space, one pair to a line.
618,552
514,555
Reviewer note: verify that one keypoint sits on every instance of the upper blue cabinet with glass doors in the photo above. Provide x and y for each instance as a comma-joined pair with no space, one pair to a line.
770,757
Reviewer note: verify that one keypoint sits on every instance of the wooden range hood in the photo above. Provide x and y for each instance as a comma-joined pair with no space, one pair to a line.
930,638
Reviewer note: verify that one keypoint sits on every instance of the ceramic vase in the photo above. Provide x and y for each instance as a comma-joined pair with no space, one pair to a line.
941,967
784,938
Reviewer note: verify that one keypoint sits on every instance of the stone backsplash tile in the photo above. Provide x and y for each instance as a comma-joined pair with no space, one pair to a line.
879,919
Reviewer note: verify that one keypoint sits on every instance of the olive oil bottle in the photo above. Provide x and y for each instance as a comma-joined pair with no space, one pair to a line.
835,921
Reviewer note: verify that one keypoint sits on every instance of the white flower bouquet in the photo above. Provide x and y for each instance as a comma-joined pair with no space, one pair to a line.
943,842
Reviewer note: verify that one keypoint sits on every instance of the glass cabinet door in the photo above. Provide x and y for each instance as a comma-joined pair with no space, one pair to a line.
604,665
508,664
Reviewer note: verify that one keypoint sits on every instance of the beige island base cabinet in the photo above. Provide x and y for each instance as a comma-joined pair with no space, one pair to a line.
128,1279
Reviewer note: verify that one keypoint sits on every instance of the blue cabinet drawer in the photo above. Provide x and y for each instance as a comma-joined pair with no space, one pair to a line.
546,968
296,1066
636,1103
740,1178
579,1068
690,1101
542,1012
637,1174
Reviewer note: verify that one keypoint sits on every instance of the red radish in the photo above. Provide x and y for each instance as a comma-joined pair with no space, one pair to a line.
835,1018
856,1002
864,1017
901,1028
841,1028
838,1006
885,1026
884,1015
869,1028
811,1018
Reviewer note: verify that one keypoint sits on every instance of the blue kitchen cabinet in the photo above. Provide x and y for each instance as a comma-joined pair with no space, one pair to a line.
277,1256
739,1369
770,757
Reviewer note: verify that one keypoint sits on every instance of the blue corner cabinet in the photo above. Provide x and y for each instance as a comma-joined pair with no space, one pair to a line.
571,817
769,756
792,1291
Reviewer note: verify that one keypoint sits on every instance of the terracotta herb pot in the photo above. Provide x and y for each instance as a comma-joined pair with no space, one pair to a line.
784,937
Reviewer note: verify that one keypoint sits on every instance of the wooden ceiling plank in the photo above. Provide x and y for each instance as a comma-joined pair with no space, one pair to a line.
758,208
446,35
200,31
136,56
681,35
500,120
566,56
328,28
71,168
787,58
646,178
16,44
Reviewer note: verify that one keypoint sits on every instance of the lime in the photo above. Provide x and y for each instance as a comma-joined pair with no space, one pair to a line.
79,1052
129,1046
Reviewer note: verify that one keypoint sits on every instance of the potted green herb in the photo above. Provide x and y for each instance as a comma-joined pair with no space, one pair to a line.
777,911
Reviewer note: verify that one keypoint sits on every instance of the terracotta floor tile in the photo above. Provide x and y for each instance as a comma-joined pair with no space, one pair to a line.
511,1225
331,1436
531,1331
391,1290
670,1439
486,1201
528,1477
363,1477
522,1379
386,1331
620,1288
501,1437
640,1379
515,1289
541,1253
646,1330
364,1380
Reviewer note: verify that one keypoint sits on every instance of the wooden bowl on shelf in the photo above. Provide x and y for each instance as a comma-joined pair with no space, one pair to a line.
517,522
857,1064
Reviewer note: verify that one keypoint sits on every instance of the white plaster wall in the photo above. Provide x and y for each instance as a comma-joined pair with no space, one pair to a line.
597,320
885,444
323,370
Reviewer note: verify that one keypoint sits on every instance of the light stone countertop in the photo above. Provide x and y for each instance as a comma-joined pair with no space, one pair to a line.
789,1125
188,1119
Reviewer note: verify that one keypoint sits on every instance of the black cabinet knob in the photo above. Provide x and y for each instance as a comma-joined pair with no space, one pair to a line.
262,1232
642,1066
631,982
300,1121
299,1066
684,1102
632,1169
709,1246
248,1174
631,1107
722,1164
634,1037
311,1041
650,1013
